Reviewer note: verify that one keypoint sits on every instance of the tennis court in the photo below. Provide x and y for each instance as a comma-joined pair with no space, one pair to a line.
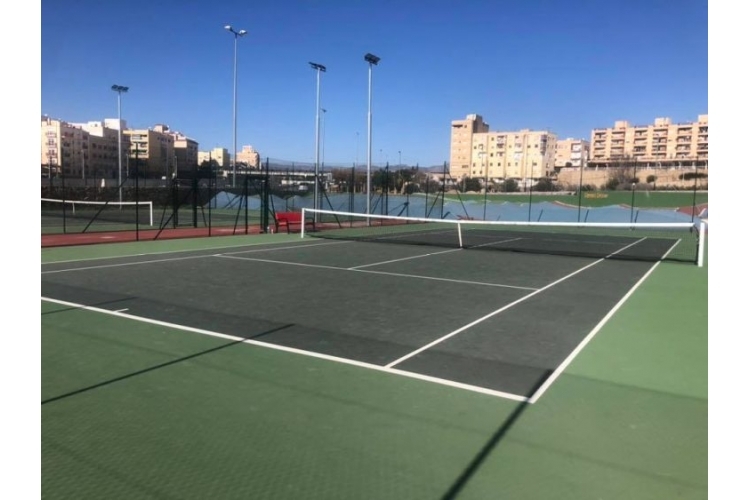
288,367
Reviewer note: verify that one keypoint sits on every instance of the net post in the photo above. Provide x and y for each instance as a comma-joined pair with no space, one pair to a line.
460,237
302,231
701,243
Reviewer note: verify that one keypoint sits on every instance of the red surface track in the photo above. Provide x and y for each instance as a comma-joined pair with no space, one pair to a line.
58,240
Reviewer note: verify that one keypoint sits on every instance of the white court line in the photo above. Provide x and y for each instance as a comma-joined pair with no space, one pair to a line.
409,234
466,282
293,247
547,383
498,311
403,259
270,261
499,242
175,259
361,364
182,250
558,371
368,271
123,264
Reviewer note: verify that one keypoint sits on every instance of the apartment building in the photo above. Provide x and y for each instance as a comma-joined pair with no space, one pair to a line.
462,141
185,151
477,152
81,150
249,156
662,144
151,152
90,150
219,155
571,153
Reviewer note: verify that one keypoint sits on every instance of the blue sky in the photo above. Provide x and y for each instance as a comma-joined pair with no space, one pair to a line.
566,66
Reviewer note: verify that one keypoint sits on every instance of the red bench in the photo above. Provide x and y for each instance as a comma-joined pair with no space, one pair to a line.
289,219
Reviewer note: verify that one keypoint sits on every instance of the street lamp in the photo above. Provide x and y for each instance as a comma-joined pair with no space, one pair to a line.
371,60
236,34
119,89
318,69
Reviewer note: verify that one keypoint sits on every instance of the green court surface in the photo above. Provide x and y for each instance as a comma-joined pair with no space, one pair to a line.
137,407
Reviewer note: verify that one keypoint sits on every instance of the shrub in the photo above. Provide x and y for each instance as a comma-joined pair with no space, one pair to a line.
692,175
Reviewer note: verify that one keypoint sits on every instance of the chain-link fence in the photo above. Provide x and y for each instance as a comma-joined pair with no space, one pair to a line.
203,201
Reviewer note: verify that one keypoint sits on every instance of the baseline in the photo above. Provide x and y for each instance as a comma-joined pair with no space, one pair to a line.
360,364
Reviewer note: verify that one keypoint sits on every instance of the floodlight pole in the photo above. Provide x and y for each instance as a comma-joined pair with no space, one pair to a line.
318,68
483,155
119,89
323,140
236,34
371,59
580,180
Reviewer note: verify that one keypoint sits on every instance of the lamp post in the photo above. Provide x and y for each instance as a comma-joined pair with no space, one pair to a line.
483,158
323,140
580,179
318,69
236,34
371,60
119,89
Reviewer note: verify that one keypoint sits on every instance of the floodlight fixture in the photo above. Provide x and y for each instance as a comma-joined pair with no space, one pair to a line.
317,66
236,33
372,58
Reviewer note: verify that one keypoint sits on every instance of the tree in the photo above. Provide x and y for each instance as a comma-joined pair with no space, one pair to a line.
470,184
545,184
509,186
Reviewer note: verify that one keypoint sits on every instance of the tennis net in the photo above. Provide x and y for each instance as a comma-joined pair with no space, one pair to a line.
683,242
81,211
